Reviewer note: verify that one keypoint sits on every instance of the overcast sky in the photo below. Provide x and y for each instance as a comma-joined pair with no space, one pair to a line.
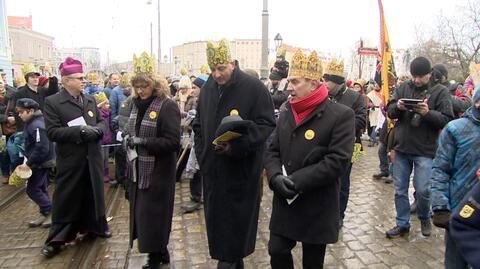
122,27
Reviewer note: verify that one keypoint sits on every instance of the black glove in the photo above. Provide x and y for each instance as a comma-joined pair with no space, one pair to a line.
90,133
441,219
223,149
136,141
283,186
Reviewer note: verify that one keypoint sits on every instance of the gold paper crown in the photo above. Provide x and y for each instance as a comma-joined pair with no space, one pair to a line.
204,69
301,66
183,71
335,68
92,77
125,80
29,68
143,64
218,55
100,98
281,52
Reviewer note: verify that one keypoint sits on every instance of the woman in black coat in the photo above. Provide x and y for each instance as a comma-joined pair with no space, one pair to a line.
154,132
310,149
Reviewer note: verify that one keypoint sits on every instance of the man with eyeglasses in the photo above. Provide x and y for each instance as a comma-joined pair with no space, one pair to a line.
74,123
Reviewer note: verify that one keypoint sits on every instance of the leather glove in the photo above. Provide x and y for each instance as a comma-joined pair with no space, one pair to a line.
441,219
283,186
223,149
90,133
136,141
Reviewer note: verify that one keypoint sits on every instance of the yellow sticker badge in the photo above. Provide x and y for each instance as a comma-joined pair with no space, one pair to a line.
233,112
90,113
153,115
309,134
466,211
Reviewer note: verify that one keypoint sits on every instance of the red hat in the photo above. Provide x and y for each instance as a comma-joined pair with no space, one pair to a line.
42,81
70,66
349,83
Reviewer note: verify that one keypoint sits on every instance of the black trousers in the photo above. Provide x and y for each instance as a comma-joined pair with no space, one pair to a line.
120,165
230,265
280,250
196,187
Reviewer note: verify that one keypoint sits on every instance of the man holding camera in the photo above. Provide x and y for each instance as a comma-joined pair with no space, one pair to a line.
422,107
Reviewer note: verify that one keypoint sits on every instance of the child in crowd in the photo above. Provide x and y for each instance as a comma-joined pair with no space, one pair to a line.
104,108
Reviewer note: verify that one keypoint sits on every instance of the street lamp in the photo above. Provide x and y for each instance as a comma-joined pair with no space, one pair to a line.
278,41
159,55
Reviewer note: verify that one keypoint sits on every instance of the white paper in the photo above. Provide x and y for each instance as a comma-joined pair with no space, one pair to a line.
119,136
289,201
131,154
80,121
380,121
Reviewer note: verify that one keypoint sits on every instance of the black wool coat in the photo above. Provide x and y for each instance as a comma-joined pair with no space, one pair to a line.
315,154
232,183
151,209
77,161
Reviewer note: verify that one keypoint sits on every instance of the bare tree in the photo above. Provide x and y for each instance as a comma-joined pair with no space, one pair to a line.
455,39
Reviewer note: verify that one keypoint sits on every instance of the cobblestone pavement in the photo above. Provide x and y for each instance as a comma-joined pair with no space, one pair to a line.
362,242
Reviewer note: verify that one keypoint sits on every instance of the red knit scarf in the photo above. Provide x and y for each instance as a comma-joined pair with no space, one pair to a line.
301,108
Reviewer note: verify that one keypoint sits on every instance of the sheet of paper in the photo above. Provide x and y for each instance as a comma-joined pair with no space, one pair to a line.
289,201
225,137
132,154
119,136
380,121
80,121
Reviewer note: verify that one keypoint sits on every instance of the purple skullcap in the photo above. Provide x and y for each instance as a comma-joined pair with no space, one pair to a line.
70,66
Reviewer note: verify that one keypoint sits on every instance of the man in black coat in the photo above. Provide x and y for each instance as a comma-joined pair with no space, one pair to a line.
74,123
419,122
311,147
231,170
339,93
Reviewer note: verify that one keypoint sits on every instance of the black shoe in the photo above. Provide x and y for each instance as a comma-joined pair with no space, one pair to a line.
106,234
388,180
397,232
413,207
50,251
426,227
190,207
380,175
155,260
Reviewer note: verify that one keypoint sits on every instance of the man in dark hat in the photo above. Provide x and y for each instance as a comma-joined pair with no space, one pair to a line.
231,169
278,88
422,107
74,123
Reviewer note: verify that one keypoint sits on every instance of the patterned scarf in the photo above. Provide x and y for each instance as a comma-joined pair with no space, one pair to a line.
148,128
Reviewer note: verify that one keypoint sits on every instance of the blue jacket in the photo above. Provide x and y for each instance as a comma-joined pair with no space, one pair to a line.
38,149
116,98
91,90
456,162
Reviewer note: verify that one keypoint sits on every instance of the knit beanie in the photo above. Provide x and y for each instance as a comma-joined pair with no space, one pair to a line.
199,81
442,69
420,66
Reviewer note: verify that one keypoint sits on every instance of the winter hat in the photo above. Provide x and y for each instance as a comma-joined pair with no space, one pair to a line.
27,103
70,66
185,83
42,81
233,123
199,81
442,69
420,66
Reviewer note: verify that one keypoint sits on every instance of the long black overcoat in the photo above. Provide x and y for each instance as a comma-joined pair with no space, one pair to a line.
151,209
315,154
77,161
232,184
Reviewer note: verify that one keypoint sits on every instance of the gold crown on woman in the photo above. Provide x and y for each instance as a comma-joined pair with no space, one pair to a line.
100,98
125,80
92,77
218,54
335,68
306,67
143,64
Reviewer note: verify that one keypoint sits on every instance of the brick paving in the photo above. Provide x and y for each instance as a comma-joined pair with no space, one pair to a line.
362,242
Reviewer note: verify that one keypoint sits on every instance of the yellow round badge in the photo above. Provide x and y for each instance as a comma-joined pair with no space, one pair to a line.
90,113
233,112
153,115
309,134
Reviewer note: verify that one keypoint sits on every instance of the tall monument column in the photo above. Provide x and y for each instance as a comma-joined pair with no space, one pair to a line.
264,64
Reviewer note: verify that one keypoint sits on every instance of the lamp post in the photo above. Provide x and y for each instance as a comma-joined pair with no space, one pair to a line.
278,41
159,57
264,63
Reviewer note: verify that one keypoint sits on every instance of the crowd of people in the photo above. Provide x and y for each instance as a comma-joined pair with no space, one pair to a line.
221,129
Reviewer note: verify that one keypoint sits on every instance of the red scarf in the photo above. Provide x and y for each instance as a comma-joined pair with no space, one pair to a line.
303,107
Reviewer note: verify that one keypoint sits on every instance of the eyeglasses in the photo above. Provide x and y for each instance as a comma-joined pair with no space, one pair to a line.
79,78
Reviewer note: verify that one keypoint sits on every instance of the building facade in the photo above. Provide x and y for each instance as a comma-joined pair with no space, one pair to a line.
5,51
29,46
89,56
192,55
